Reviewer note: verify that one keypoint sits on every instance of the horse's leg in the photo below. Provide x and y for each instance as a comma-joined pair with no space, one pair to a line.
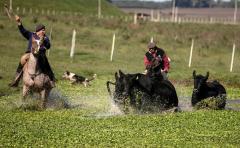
43,98
26,91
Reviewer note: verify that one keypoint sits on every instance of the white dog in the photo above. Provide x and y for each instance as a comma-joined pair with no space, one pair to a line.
77,79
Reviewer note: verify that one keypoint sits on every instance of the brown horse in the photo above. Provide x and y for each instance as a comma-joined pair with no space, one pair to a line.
33,78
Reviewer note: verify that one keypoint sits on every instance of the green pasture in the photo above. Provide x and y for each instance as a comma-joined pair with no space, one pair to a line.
90,119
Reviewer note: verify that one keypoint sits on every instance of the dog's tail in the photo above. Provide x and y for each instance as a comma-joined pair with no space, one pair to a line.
93,77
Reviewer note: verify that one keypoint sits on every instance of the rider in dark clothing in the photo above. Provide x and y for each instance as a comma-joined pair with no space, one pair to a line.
43,61
156,60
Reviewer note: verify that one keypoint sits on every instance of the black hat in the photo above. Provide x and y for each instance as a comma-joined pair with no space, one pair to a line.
39,27
151,45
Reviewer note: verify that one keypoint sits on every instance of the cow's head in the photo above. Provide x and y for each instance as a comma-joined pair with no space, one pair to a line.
124,83
199,81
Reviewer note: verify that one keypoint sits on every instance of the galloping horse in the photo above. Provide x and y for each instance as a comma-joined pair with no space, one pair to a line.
33,78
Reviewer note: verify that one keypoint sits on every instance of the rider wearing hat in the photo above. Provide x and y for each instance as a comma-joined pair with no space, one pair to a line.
45,44
156,58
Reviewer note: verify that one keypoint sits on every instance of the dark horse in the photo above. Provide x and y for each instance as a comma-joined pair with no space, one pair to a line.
203,89
161,93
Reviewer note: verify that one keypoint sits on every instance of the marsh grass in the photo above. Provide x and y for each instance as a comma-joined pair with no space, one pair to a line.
216,103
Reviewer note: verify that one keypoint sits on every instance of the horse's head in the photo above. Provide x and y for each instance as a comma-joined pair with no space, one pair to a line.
124,83
199,81
36,45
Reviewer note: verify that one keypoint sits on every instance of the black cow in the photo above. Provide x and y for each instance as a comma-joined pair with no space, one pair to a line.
159,92
203,89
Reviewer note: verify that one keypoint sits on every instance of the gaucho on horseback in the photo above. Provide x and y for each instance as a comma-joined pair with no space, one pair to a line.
156,59
44,45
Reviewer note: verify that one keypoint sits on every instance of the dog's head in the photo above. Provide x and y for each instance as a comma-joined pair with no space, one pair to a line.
67,75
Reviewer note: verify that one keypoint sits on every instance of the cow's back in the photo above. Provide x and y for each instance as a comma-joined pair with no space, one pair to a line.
166,89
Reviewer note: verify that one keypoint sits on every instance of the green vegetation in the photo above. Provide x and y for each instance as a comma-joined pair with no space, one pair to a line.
70,128
88,122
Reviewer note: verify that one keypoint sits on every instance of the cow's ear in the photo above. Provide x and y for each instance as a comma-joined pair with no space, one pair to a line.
121,74
67,72
116,75
194,73
207,75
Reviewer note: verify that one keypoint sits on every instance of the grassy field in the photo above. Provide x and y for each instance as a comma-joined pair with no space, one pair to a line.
91,119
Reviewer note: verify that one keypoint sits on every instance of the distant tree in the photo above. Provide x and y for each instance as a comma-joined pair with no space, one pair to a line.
204,3
184,3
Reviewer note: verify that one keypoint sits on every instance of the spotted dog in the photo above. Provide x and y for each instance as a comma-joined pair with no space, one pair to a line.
77,79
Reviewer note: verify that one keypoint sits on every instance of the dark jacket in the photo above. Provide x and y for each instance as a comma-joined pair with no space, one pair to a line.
28,35
42,59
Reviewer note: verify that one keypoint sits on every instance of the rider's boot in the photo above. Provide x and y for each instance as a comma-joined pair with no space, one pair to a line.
18,76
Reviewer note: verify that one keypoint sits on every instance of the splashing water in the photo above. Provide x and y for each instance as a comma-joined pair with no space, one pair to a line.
113,110
56,100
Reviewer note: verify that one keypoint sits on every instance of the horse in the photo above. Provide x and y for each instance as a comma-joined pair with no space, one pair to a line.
34,80
203,89
160,93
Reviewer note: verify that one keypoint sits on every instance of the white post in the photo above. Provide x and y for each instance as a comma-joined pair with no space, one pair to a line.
113,46
50,38
151,15
73,44
233,52
158,16
176,14
190,57
235,12
151,40
135,18
99,9
10,5
173,10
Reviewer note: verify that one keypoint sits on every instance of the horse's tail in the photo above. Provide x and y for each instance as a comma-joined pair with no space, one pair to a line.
108,87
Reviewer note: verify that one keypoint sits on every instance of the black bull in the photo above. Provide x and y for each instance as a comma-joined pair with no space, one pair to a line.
161,93
203,89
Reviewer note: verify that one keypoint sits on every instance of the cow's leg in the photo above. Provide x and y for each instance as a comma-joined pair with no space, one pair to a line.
132,99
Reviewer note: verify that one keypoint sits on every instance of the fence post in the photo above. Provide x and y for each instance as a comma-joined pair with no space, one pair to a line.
73,44
173,10
151,40
135,18
50,38
190,57
99,9
233,52
158,16
10,6
152,18
176,14
235,13
113,46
